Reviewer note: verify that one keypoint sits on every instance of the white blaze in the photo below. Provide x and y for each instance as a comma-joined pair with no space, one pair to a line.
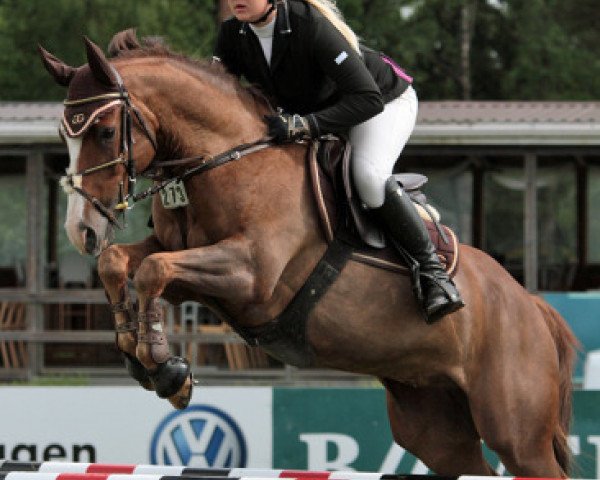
75,202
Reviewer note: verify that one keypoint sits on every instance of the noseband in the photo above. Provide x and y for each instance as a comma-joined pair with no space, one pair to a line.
72,181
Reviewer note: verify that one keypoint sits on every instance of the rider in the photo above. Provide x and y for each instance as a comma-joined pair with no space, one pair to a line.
302,54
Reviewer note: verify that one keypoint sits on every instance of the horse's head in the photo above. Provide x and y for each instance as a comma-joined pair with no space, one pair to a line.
100,126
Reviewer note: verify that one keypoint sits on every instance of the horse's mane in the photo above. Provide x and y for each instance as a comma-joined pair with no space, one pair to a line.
125,44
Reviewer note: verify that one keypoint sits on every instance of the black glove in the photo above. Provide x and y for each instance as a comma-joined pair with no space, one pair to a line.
286,127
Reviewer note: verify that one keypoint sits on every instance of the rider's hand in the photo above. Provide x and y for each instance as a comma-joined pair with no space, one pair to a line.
286,127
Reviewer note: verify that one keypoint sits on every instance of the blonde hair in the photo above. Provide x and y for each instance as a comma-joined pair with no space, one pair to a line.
331,12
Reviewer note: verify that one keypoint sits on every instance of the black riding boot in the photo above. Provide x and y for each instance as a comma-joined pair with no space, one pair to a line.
407,230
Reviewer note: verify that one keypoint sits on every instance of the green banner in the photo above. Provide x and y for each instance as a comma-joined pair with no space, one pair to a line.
343,429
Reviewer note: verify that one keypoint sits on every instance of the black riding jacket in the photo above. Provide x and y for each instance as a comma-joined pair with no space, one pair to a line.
314,71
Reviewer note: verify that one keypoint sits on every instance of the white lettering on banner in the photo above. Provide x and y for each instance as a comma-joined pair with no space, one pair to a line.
348,450
595,440
394,456
501,469
574,444
392,460
317,443
420,468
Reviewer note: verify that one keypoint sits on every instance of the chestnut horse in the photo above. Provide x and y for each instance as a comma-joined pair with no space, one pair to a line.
498,370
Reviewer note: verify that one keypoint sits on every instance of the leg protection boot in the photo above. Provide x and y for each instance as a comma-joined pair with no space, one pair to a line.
407,231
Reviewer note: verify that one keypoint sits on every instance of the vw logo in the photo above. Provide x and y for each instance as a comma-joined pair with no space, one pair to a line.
199,436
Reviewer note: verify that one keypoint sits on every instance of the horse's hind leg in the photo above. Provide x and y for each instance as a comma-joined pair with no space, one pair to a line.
435,425
518,419
115,265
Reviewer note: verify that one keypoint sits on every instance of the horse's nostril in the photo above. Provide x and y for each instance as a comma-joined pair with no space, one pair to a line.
90,240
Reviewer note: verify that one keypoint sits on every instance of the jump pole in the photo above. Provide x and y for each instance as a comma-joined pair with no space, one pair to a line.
15,470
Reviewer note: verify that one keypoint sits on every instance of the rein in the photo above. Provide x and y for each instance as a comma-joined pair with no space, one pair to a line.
72,181
207,164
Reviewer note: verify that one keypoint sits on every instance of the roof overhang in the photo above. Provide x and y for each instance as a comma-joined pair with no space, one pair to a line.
514,134
45,131
439,123
30,132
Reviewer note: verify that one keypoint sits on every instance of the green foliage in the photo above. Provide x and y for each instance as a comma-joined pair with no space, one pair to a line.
551,59
518,50
58,25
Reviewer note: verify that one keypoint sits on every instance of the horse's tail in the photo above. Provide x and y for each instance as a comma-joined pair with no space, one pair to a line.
566,347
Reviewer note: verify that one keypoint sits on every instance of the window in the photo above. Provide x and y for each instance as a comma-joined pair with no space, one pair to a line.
13,221
593,219
504,186
504,198
557,223
450,191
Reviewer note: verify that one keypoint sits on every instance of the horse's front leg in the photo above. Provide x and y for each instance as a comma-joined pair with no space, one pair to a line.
115,265
224,270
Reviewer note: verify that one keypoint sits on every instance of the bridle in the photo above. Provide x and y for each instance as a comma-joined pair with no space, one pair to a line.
72,181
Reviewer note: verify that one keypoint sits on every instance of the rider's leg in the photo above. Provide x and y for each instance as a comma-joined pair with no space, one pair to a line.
377,144
406,227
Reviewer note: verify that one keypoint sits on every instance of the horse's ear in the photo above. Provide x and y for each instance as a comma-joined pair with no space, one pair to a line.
61,72
99,64
125,40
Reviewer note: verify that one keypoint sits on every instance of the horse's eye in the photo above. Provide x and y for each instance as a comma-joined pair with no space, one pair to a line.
106,134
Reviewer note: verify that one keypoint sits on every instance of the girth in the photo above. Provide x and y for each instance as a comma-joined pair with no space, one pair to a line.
285,337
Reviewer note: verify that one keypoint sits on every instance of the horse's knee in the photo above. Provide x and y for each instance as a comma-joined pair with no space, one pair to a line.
151,276
112,265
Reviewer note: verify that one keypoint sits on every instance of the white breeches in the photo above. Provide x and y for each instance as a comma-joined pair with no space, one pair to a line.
377,144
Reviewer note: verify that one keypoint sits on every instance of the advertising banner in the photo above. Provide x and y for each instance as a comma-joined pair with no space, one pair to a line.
222,427
283,428
347,429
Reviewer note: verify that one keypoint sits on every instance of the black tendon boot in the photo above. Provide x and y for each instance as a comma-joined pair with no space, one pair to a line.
407,230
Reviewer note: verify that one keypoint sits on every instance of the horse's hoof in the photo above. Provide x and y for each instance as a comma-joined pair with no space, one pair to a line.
137,371
182,398
170,377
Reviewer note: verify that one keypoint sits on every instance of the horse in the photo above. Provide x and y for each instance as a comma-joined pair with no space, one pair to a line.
247,239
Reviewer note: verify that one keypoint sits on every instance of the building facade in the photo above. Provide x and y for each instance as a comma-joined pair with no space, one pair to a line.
519,180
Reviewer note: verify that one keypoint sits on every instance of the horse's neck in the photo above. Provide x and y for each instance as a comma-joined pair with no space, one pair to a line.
196,114
265,195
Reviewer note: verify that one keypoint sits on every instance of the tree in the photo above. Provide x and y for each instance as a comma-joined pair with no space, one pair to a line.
553,53
455,49
189,26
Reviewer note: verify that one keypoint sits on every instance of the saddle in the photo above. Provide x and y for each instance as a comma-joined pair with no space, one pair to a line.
342,213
